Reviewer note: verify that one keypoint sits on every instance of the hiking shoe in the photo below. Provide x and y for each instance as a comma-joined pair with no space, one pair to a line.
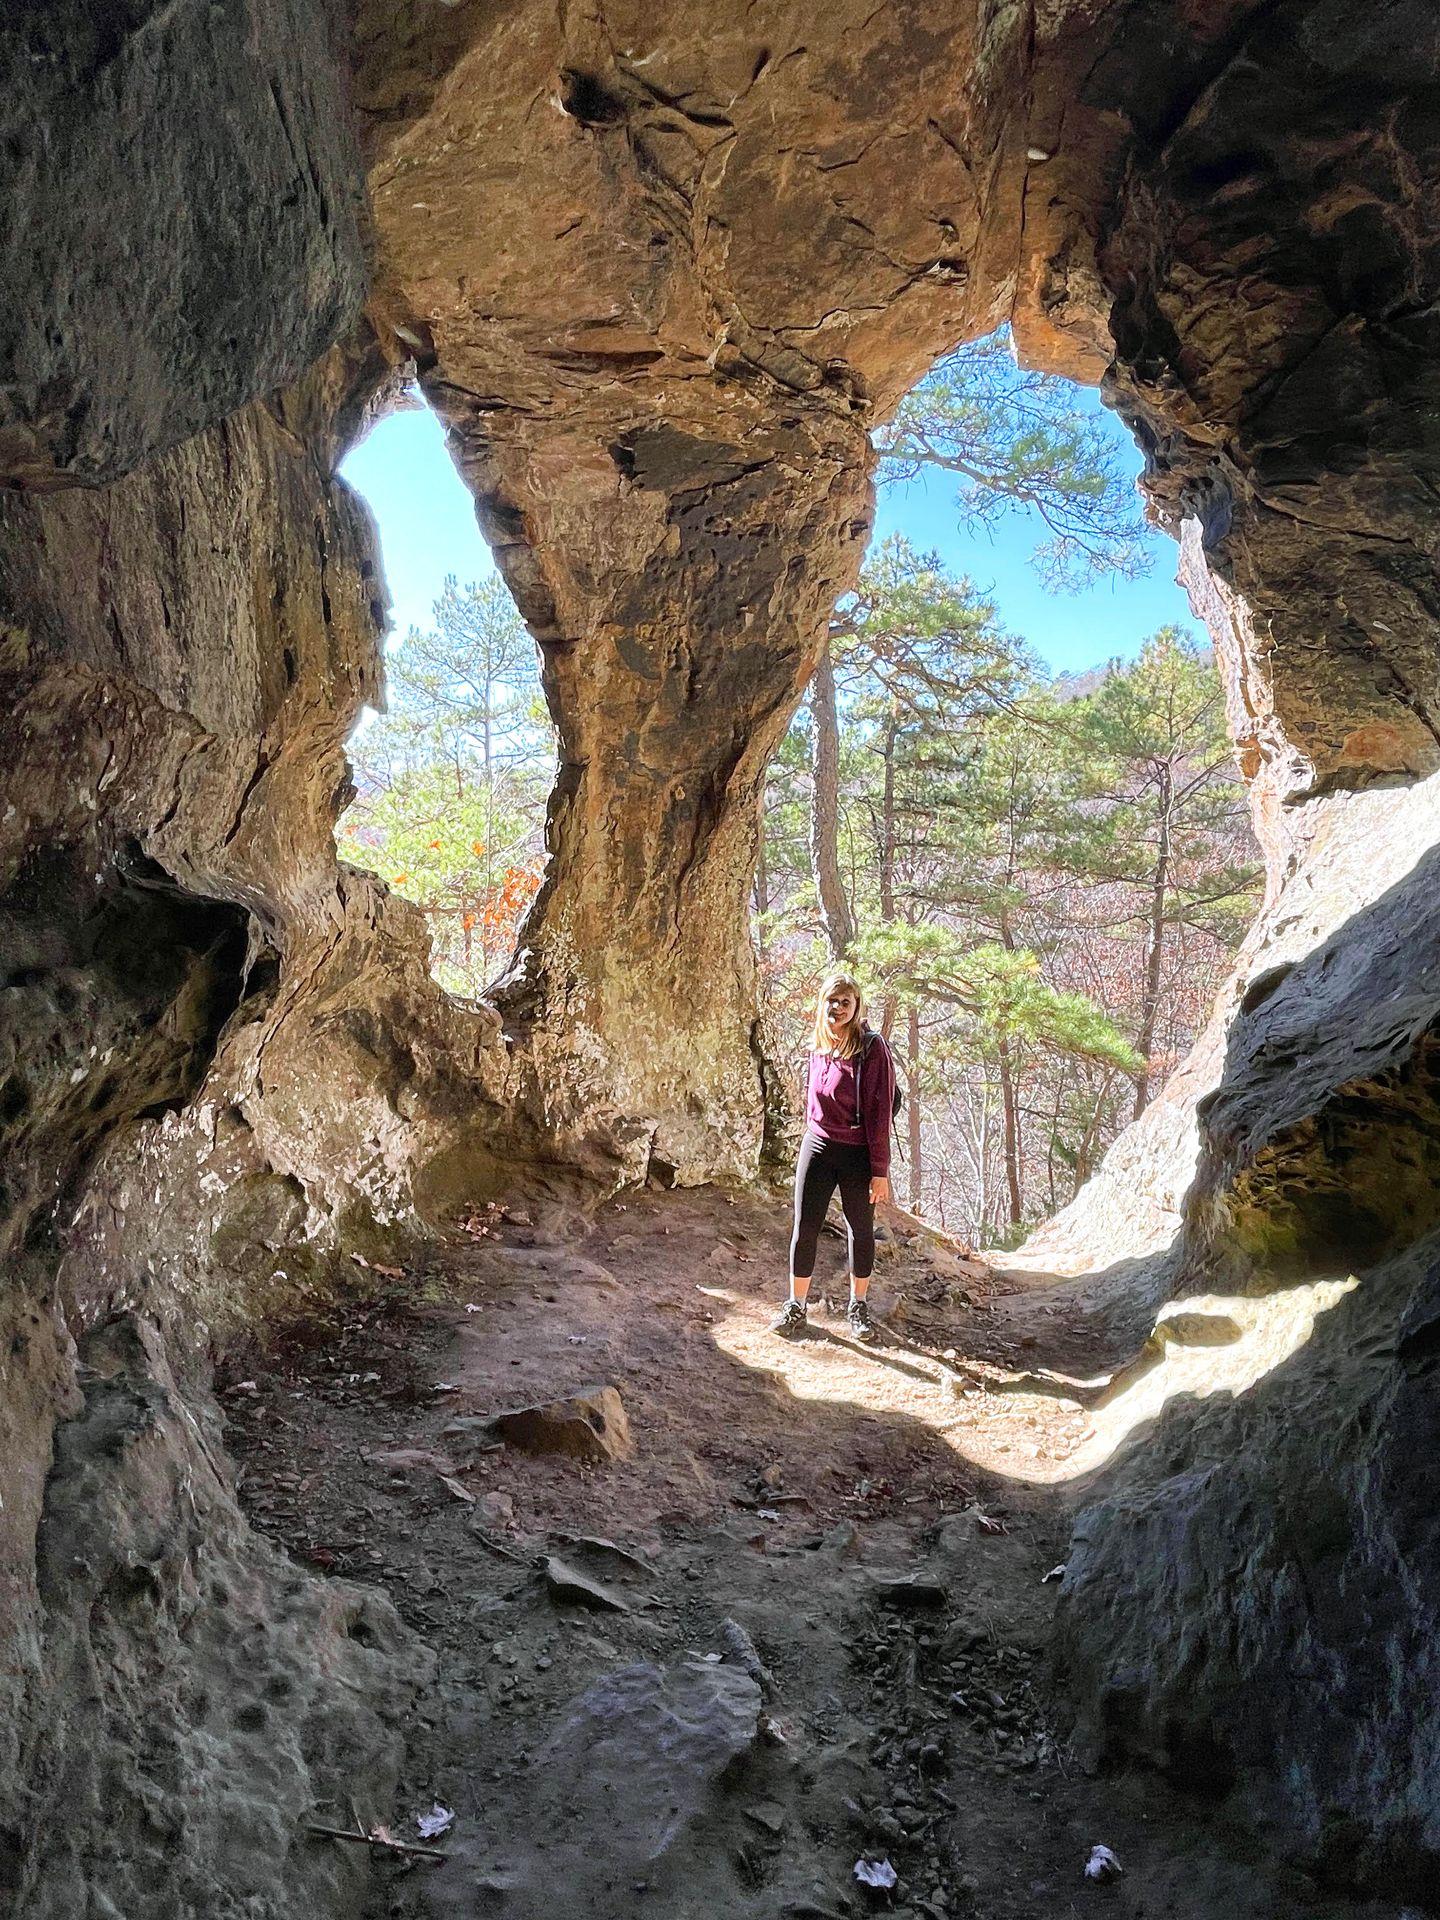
790,1323
862,1327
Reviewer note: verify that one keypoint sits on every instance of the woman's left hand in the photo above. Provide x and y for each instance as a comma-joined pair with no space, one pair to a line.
879,1191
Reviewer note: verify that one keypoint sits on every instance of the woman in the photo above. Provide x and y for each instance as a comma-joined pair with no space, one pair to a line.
849,1101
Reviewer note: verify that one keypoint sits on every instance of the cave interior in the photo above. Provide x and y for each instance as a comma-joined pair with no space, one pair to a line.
661,272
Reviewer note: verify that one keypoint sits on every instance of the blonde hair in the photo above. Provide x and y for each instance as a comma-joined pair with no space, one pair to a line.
851,1038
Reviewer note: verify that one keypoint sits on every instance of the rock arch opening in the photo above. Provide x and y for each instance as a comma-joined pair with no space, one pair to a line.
1009,798
453,779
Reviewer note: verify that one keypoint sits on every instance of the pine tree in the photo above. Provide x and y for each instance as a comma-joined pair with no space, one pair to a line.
453,778
1160,822
997,841
1017,441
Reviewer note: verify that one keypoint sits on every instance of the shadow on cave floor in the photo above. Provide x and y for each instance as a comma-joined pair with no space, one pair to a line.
780,1486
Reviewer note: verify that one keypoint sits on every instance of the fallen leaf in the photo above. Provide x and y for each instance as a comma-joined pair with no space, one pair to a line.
438,1820
876,1873
1102,1865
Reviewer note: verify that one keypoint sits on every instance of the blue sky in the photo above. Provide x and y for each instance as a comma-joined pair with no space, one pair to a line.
427,529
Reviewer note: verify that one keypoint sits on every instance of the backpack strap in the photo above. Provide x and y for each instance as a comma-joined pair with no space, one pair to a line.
870,1039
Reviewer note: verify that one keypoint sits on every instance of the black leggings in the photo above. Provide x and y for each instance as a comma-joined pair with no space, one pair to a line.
824,1165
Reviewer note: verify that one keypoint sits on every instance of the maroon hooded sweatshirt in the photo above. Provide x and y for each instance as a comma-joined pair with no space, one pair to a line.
830,1101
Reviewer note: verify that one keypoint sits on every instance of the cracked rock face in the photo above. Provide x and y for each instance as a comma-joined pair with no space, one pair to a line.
657,291
1274,265
183,222
203,1693
184,652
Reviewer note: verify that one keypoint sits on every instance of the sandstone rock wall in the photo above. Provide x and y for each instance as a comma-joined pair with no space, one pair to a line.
1245,1605
184,642
1252,1606
659,289
195,1113
1246,1601
184,214
1274,268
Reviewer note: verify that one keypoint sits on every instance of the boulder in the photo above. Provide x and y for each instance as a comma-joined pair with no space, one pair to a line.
588,1425
644,1746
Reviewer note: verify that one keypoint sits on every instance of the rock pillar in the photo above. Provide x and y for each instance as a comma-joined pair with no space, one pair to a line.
679,584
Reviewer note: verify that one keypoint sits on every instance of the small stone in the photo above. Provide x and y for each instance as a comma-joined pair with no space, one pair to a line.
768,1815
564,1583
910,1593
495,1509
589,1426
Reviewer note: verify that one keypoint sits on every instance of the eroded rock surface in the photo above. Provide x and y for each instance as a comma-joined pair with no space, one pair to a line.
1245,1604
183,222
660,299
1275,267
202,1696
1252,1608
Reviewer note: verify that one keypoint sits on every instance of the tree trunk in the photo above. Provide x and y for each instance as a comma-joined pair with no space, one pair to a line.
1055,1114
1155,950
762,883
835,911
887,822
1011,1112
1090,1140
912,1099
887,853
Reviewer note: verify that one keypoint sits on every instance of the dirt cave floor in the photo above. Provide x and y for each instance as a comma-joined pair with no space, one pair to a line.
804,1623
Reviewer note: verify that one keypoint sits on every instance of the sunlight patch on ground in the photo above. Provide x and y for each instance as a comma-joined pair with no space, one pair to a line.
1022,1436
1251,1334
1042,1427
